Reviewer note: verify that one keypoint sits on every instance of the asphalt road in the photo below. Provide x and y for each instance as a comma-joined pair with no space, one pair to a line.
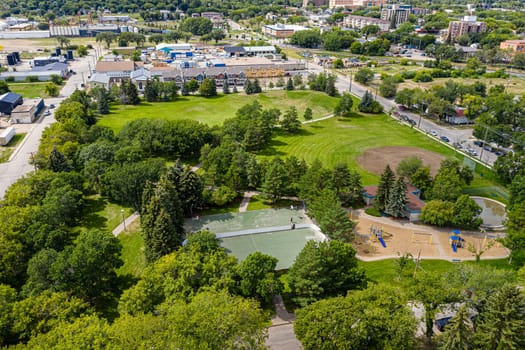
19,165
461,135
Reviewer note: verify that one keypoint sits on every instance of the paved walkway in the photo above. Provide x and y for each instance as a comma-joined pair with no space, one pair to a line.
246,200
123,225
281,335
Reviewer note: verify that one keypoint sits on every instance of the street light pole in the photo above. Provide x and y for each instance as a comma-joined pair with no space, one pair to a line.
350,87
123,219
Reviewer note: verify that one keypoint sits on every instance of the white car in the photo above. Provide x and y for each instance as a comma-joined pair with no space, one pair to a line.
433,133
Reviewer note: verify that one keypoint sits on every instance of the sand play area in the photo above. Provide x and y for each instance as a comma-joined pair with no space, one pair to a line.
375,160
401,237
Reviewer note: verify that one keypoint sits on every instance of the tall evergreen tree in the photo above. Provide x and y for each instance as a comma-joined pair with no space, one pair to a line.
256,86
161,221
225,87
276,180
383,189
58,161
150,92
458,332
289,84
290,122
502,325
101,96
397,199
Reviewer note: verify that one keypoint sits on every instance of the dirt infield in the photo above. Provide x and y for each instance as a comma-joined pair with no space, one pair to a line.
403,237
375,159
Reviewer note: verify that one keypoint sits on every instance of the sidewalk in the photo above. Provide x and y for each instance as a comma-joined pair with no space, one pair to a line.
123,225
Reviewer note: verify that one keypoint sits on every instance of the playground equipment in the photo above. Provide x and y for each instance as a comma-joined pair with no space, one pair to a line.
456,241
421,237
376,232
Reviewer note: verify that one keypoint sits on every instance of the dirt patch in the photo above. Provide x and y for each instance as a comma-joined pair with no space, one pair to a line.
375,160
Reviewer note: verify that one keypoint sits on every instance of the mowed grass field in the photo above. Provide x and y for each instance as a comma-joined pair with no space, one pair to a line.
29,90
213,111
343,140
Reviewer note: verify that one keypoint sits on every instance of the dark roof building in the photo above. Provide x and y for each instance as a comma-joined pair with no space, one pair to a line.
9,101
234,51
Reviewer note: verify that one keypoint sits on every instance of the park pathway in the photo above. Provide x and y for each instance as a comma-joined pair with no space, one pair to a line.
281,335
246,200
124,225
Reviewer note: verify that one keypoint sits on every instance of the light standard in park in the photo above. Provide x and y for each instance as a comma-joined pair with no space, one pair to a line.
123,219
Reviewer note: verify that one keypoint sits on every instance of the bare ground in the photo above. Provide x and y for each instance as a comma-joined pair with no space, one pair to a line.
376,159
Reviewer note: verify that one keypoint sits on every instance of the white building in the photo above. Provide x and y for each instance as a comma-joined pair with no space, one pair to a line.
358,22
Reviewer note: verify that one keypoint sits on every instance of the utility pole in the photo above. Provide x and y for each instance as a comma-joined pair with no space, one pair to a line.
350,87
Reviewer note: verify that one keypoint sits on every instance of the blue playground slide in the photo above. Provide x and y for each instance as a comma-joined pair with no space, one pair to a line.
382,242
454,247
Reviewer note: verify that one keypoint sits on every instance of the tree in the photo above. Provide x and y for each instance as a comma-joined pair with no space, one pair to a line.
162,220
290,121
192,86
289,84
368,104
82,51
324,269
217,35
409,166
397,199
344,106
447,186
308,114
388,87
437,212
51,90
276,181
88,269
466,213
306,38
386,183
62,41
360,320
196,25
129,94
421,179
106,37
502,325
208,88
56,79
58,162
258,278
157,38
458,331
226,87
102,98
3,87
333,219
188,185
364,75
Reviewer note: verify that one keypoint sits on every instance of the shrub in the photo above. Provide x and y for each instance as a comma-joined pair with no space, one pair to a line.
423,77
408,75
373,212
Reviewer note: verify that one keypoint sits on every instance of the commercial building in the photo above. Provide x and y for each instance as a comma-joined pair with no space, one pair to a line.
41,73
27,112
353,4
9,101
396,14
358,22
468,24
281,30
513,45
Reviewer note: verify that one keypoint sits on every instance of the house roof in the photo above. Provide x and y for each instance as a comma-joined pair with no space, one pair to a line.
27,105
99,78
259,48
10,97
108,66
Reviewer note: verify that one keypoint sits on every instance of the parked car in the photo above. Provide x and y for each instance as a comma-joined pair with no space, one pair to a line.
444,138
411,121
457,145
46,113
433,133
478,143
51,106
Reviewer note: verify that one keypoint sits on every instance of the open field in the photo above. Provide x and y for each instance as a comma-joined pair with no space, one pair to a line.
214,111
132,251
6,151
29,90
343,140
41,43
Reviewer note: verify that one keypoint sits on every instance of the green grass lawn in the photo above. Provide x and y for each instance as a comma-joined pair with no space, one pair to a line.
214,111
6,151
384,270
258,203
29,90
342,140
232,207
132,252
102,214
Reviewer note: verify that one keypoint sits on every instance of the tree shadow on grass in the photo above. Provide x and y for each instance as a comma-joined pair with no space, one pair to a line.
91,217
